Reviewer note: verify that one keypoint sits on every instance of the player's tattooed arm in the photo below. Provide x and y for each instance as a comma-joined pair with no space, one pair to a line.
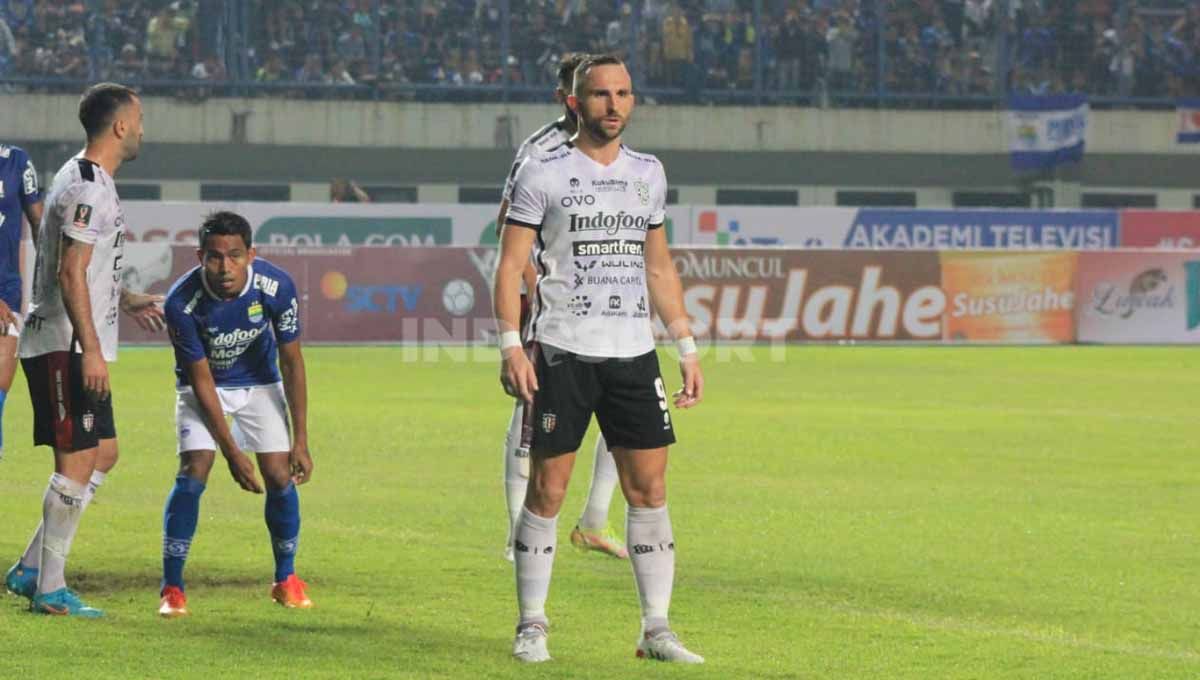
666,294
295,386
205,388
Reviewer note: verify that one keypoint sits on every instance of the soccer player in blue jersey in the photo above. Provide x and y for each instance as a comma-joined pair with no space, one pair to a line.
19,194
231,319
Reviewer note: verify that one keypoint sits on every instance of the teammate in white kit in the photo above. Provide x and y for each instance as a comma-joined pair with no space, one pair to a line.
592,215
70,337
593,531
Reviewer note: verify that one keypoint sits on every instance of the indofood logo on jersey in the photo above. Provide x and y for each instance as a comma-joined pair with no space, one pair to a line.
225,348
609,223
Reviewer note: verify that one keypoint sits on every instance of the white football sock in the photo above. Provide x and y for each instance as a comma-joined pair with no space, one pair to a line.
32,559
604,482
652,554
61,508
534,545
516,470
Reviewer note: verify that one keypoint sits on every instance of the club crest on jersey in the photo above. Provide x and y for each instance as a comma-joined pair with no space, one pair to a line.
83,215
549,422
255,313
574,183
89,421
643,191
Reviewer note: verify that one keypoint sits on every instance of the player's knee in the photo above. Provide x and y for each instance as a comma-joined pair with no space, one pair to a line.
647,493
545,495
196,466
276,480
107,455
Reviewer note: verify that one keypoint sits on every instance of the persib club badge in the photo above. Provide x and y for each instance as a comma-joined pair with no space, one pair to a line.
643,191
549,421
83,215
255,313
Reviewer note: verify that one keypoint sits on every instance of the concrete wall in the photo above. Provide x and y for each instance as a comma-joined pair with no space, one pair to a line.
291,122
296,141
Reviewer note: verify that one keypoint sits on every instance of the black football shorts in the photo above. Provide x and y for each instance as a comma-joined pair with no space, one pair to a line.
627,396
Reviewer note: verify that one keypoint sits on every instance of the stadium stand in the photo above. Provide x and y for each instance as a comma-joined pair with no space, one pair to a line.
937,53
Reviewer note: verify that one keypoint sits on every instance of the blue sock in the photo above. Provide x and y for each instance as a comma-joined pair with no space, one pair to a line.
179,525
283,521
3,396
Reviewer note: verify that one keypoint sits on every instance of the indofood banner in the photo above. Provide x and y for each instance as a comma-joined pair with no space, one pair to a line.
404,225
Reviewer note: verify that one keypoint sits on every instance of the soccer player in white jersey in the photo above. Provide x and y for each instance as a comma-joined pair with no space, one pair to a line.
19,195
591,214
593,531
70,337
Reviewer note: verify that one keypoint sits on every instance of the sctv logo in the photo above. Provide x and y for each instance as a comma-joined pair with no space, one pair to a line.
576,200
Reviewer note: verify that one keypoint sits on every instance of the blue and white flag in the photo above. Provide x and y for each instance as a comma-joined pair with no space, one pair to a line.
1188,113
1046,131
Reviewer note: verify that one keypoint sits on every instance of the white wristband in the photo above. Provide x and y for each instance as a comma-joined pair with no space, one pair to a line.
509,339
686,346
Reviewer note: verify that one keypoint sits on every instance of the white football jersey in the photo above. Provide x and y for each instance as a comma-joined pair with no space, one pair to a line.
547,138
591,219
82,204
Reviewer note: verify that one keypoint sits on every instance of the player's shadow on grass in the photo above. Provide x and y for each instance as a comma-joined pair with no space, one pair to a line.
323,639
97,582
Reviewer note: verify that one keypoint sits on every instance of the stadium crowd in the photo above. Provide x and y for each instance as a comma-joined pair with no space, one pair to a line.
946,47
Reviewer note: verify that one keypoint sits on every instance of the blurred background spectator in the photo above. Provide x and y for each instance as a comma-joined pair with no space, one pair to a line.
343,190
683,50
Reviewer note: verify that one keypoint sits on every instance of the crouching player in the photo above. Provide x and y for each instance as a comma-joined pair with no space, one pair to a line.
230,318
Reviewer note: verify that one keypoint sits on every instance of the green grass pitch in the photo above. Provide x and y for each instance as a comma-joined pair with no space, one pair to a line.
845,512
